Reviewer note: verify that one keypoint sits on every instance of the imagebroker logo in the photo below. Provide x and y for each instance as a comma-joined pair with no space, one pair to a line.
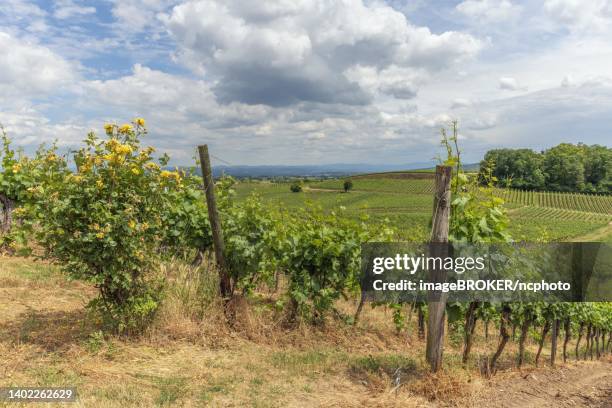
471,285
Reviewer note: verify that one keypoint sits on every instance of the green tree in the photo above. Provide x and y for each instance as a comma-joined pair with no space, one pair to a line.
348,185
520,168
563,168
598,169
296,187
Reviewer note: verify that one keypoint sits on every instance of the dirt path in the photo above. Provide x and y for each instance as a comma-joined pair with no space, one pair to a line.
582,384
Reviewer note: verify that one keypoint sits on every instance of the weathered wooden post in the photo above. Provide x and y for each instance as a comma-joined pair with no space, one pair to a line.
553,342
437,302
6,213
225,283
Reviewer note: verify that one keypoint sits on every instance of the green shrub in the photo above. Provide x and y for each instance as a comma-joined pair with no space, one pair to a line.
105,223
348,185
296,187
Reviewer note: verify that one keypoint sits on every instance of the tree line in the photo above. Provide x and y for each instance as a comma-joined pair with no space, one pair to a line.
566,167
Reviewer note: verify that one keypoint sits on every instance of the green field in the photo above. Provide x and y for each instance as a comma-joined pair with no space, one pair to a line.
406,201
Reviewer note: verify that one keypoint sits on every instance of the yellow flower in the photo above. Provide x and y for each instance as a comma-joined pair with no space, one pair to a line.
123,149
132,224
135,170
108,128
140,122
170,175
126,128
51,157
18,212
151,166
35,190
99,184
100,235
112,143
75,178
16,168
85,168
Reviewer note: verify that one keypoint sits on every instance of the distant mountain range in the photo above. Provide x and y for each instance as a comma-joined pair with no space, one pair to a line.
322,170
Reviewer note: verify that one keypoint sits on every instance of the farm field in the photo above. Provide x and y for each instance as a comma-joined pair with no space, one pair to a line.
407,203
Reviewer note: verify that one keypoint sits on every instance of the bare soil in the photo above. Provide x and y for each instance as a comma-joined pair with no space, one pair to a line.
576,384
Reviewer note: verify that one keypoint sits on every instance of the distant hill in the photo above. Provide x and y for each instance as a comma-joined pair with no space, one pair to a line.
324,170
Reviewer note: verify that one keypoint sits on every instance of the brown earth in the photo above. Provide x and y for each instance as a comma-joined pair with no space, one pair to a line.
577,384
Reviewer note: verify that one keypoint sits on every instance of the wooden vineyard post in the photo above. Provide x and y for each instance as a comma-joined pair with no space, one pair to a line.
553,344
6,213
225,283
437,302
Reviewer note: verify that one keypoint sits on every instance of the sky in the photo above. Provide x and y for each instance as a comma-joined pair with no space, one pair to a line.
309,81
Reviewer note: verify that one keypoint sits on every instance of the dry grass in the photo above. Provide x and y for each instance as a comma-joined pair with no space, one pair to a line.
191,357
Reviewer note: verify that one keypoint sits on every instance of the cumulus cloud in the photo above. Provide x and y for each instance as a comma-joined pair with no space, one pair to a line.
169,95
67,9
545,118
282,53
135,15
510,84
15,13
20,9
489,11
581,15
28,69
183,112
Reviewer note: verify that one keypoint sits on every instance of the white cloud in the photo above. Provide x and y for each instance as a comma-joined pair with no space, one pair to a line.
395,81
581,15
545,118
169,95
567,81
65,9
136,15
15,13
510,84
19,9
28,69
460,103
489,11
280,53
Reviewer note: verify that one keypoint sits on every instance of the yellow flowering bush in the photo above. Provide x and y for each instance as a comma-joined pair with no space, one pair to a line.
105,222
20,176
